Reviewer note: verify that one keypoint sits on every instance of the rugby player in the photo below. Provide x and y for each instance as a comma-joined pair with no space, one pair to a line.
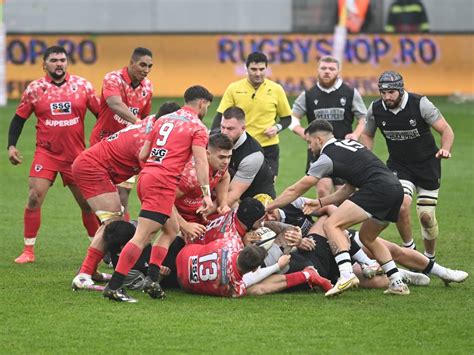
60,102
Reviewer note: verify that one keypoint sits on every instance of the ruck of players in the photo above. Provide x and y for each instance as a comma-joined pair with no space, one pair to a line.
210,221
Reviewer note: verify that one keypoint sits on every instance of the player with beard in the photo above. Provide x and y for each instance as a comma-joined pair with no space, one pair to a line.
251,174
60,102
335,101
405,120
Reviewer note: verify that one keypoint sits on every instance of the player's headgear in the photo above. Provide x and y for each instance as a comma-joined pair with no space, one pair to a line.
250,211
391,80
264,198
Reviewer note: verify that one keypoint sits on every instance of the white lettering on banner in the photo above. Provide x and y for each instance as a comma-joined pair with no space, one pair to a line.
62,123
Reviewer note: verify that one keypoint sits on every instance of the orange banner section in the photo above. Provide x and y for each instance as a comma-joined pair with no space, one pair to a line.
430,64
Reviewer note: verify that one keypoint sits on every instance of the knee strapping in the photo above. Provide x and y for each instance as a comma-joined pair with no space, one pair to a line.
426,211
106,215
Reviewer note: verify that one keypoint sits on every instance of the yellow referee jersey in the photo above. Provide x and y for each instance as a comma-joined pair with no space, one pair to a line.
261,106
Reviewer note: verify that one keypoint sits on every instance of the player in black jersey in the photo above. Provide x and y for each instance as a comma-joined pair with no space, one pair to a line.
313,250
335,101
405,120
376,202
250,172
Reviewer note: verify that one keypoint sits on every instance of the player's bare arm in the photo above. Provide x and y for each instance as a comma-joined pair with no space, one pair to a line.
293,192
222,190
118,107
358,130
447,138
295,125
202,173
189,230
236,189
145,151
319,205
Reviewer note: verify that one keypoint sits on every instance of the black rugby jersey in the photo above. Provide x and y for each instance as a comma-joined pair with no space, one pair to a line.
349,160
407,134
264,180
335,107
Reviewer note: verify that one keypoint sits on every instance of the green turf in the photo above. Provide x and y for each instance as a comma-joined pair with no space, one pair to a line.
40,314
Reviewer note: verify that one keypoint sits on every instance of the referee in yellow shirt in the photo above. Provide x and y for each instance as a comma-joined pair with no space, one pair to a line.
262,101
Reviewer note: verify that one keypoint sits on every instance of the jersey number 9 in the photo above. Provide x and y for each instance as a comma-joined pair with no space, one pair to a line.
164,133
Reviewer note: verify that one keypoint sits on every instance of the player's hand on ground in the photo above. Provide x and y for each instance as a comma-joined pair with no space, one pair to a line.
14,156
206,206
307,244
284,261
223,209
443,154
293,237
271,131
192,230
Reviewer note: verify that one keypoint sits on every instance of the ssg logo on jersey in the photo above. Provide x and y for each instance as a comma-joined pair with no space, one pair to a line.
158,154
61,108
193,270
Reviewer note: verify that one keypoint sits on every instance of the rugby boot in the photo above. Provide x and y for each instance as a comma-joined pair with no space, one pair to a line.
28,256
397,289
153,288
315,279
342,285
117,295
370,271
414,278
454,276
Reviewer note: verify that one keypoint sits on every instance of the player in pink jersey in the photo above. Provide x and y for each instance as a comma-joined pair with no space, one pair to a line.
60,102
189,194
222,267
97,171
174,139
125,99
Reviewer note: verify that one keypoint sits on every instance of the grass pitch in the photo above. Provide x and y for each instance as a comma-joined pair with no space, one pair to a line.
40,313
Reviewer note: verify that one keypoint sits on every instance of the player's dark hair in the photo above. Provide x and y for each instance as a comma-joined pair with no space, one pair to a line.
197,92
166,108
250,258
220,141
250,211
117,234
256,57
234,112
140,52
53,49
319,125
